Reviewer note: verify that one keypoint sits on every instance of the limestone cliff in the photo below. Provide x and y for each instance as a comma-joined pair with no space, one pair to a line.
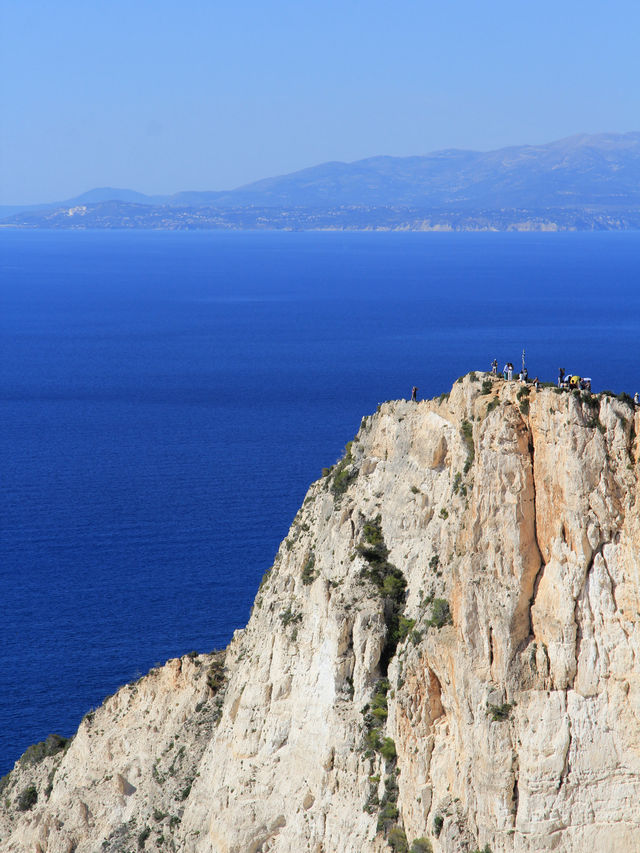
446,649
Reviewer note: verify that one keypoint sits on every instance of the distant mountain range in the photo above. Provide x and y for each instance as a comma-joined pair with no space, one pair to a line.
582,182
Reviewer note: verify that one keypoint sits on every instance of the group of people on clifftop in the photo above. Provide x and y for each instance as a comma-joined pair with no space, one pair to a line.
508,371
566,381
570,381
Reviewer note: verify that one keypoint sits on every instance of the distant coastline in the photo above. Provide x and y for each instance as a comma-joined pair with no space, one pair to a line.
123,215
582,183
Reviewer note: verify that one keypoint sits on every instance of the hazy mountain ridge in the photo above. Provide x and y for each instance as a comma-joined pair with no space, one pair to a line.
596,176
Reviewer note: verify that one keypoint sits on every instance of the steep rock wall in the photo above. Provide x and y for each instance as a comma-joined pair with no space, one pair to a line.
445,647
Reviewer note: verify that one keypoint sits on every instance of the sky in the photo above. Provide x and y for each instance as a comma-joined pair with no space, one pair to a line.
161,96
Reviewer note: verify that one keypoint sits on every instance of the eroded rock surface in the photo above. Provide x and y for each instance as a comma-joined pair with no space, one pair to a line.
446,647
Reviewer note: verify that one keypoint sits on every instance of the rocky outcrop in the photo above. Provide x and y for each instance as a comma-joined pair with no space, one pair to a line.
445,649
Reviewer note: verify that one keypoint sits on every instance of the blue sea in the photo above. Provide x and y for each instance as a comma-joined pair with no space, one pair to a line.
167,398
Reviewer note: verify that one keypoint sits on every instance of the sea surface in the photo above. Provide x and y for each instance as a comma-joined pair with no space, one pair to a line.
167,398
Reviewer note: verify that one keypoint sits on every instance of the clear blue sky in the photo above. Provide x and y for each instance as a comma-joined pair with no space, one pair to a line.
161,95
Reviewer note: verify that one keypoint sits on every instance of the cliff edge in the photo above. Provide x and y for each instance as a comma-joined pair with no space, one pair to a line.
444,655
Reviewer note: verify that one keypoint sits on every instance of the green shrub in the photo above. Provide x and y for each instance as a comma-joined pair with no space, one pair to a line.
380,695
344,474
388,580
373,740
443,514
27,799
398,840
371,806
289,617
374,551
142,838
35,753
388,749
405,625
380,713
394,585
595,423
524,407
388,816
593,403
390,789
440,614
379,702
427,599
438,823
376,714
308,573
421,845
342,480
4,781
216,675
265,579
457,480
523,392
473,377
487,386
467,436
493,403
372,533
434,562
499,713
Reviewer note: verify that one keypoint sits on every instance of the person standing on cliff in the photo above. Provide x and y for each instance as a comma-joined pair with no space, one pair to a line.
494,367
414,394
636,399
560,377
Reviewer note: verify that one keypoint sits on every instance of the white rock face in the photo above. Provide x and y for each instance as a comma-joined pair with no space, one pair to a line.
506,674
